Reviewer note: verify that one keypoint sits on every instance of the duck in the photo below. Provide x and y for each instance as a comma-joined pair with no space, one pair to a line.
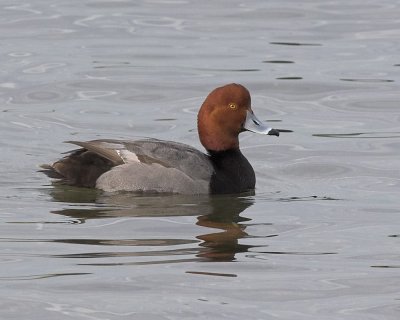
159,166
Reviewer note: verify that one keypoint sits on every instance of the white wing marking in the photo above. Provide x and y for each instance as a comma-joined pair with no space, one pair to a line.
128,156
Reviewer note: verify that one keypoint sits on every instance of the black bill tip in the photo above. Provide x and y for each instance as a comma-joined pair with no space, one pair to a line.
273,132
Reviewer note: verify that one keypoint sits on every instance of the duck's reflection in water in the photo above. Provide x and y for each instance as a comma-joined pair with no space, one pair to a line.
225,215
222,212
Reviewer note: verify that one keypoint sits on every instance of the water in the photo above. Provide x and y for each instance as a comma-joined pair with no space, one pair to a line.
320,237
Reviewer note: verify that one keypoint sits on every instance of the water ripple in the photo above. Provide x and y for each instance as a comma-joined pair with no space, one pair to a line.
360,135
295,44
367,80
43,276
45,67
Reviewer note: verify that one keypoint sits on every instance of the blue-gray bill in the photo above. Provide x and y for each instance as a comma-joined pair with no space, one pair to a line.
253,124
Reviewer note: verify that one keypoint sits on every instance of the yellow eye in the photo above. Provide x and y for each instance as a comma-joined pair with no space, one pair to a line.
232,105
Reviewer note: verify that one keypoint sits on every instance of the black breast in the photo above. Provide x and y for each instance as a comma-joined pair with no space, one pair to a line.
233,172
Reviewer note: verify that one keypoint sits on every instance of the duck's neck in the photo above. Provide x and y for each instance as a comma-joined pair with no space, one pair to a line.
232,172
213,135
218,141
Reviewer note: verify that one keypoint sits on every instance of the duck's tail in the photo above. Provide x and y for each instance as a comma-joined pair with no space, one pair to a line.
49,171
81,168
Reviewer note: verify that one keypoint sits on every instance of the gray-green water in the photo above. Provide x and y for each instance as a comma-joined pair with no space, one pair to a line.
318,240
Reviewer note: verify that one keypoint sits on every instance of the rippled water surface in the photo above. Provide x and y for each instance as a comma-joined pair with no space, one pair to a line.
320,237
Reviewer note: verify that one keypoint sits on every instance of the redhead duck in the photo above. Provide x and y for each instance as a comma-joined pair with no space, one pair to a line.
151,165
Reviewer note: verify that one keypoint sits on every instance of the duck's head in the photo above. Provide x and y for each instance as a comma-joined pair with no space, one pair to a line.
224,114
